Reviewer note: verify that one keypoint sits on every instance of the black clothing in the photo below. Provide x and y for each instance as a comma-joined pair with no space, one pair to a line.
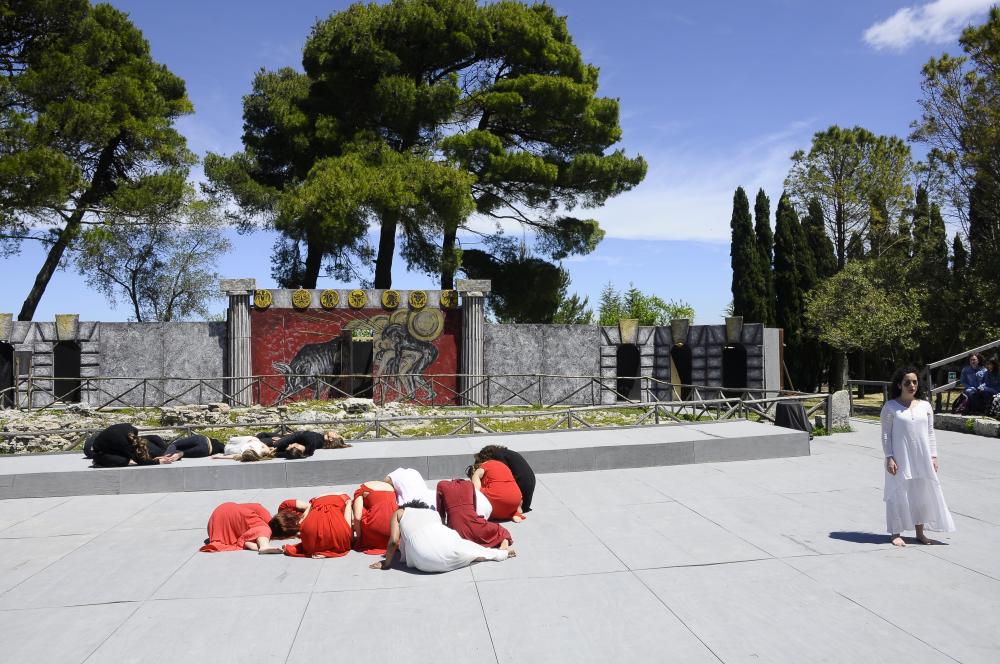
311,440
88,445
522,472
112,449
218,447
194,446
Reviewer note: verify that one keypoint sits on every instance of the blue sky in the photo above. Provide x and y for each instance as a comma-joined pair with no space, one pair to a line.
714,95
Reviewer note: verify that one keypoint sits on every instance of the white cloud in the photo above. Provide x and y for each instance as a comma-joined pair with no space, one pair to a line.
688,195
936,22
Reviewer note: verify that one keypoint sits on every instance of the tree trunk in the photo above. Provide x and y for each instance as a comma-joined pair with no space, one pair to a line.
841,238
838,376
52,260
386,250
449,261
314,261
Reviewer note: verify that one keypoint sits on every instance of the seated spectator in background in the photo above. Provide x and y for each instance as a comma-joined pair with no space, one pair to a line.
982,399
302,443
121,445
972,376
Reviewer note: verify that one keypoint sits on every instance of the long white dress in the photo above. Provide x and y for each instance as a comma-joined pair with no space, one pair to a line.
240,444
409,485
913,495
431,546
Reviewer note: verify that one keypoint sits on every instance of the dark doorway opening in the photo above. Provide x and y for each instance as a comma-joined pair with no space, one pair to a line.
6,375
627,368
680,370
734,366
66,371
357,365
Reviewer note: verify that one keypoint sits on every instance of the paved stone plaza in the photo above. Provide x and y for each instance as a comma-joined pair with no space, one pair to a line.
777,560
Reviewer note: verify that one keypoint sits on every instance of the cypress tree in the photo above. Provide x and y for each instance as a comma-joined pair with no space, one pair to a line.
879,234
959,261
819,243
749,291
794,273
984,232
765,249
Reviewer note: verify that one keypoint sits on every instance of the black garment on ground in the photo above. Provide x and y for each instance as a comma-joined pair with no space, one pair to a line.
88,445
522,472
112,449
194,446
311,440
792,415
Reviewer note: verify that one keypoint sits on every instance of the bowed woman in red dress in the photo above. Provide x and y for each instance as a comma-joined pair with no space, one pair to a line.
324,526
456,504
497,483
374,504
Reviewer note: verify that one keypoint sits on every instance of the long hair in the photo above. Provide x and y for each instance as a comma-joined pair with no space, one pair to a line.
250,455
489,452
897,378
139,446
284,524
419,504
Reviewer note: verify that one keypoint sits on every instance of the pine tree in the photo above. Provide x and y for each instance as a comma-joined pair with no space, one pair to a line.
749,290
765,249
788,273
820,245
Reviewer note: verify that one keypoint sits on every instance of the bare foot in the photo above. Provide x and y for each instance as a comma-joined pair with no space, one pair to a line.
511,553
898,541
378,564
517,518
924,539
504,545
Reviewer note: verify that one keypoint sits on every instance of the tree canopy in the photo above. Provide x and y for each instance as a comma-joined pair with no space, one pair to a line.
633,303
750,286
490,108
86,127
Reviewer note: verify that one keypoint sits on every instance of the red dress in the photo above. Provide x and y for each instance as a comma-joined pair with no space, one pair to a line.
456,503
234,524
501,489
376,514
324,532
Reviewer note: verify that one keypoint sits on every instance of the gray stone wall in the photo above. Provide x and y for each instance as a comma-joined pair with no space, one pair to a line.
131,352
610,340
40,338
562,351
706,343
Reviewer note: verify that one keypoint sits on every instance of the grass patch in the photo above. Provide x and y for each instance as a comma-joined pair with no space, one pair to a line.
821,431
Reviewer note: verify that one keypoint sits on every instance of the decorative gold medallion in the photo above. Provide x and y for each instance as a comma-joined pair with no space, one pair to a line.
418,299
357,299
301,299
329,299
426,324
449,299
262,299
390,299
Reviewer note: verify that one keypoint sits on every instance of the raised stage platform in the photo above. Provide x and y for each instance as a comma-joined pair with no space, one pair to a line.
435,458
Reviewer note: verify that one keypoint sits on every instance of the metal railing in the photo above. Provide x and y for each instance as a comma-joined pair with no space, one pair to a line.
741,407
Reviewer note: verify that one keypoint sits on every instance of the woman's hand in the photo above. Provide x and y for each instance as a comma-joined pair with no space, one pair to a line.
890,465
934,461
380,564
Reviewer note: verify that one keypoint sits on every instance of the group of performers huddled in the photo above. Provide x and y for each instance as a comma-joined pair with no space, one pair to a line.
433,530
121,445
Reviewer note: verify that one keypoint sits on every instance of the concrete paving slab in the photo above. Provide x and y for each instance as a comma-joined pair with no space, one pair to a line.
16,511
699,481
580,491
216,630
238,574
21,559
351,573
592,618
117,567
664,535
766,611
83,514
68,634
410,623
954,609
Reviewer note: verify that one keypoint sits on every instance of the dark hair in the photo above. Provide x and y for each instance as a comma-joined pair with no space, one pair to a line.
419,504
897,378
488,452
978,356
284,524
139,446
995,363
471,469
291,453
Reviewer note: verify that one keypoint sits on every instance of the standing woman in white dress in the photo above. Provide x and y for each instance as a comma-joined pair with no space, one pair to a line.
913,498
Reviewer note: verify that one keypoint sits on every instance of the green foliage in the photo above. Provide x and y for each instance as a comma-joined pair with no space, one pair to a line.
572,309
869,306
526,289
633,303
489,108
846,170
86,127
750,292
824,257
161,266
765,250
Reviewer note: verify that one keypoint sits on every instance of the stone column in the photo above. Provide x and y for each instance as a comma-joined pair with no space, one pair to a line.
238,332
473,337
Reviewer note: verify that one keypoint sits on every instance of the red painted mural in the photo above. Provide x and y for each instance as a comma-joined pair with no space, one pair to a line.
406,354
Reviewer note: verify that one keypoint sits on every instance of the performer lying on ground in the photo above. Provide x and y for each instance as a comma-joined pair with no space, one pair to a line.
456,504
497,483
195,446
121,445
373,506
519,468
238,526
324,526
245,448
428,545
302,443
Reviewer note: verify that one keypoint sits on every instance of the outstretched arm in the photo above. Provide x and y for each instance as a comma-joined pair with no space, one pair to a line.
390,550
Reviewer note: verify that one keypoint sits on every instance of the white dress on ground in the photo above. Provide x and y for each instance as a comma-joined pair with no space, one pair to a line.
431,546
240,444
409,485
913,495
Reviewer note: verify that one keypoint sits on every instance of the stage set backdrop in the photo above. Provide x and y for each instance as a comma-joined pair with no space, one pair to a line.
383,344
